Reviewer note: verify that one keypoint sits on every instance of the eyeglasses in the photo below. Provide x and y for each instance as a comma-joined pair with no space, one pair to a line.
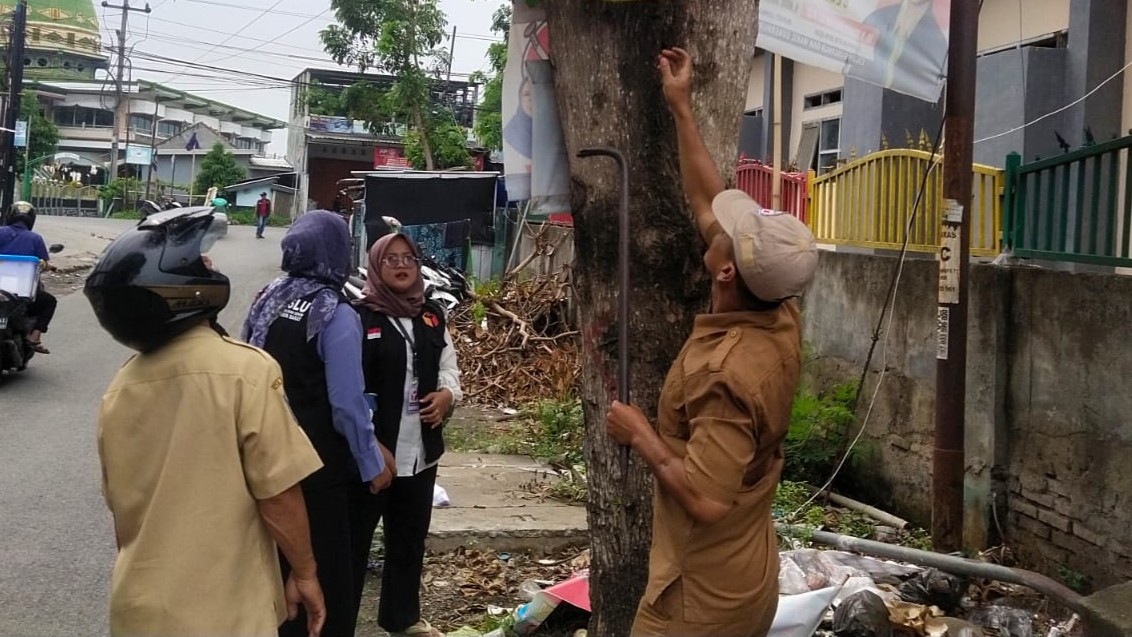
404,261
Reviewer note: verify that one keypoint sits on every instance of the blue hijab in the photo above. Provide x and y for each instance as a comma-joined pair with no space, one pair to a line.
316,258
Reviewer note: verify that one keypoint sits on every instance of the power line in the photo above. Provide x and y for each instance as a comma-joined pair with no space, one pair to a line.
246,26
119,115
281,35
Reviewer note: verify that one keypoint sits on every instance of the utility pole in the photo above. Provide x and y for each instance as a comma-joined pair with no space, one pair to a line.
16,39
949,462
120,111
152,145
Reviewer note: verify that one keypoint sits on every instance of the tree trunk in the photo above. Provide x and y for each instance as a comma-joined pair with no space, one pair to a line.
608,89
426,145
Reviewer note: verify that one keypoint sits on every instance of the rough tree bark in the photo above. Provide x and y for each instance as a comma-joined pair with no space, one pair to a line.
604,56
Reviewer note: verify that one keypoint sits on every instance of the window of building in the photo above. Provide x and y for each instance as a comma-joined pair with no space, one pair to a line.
820,146
818,100
141,123
169,129
829,145
83,117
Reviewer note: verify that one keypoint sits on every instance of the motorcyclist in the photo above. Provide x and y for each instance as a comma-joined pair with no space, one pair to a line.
18,239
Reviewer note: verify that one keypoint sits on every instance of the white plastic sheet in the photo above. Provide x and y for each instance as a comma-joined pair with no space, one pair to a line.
800,615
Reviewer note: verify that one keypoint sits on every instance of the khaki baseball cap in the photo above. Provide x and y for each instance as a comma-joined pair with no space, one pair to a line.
776,253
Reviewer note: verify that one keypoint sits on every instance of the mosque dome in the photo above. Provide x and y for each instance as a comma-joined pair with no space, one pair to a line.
64,39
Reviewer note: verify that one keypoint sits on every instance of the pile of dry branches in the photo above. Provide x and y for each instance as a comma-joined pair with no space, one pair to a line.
516,344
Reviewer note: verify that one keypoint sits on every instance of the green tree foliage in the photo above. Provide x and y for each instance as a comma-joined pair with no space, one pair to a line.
219,169
489,123
449,144
323,101
401,38
43,134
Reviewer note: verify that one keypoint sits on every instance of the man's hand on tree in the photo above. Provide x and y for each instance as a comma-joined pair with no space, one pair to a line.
675,66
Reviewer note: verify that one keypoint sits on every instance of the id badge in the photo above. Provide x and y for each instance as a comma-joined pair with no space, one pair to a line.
414,404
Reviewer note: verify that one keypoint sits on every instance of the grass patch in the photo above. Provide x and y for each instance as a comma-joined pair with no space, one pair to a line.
131,215
247,218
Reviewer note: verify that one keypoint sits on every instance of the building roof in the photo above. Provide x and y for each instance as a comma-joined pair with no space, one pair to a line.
152,91
274,163
271,179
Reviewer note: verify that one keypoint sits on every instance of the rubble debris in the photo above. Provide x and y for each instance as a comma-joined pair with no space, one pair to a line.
516,345
1004,621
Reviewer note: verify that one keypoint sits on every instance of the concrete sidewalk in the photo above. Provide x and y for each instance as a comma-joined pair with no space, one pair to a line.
492,506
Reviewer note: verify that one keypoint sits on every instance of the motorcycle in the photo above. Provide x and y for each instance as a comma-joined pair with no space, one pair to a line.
16,323
147,207
444,285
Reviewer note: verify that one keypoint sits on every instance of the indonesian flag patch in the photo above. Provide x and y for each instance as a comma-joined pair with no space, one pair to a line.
373,333
430,319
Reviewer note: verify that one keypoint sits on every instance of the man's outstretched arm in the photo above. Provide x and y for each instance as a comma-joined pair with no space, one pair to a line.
701,179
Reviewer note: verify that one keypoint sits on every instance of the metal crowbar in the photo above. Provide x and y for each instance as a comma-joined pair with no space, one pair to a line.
623,282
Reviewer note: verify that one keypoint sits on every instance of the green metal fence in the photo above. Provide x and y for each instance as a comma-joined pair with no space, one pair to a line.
1076,207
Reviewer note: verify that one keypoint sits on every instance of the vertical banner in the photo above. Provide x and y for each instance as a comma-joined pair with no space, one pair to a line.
536,164
898,44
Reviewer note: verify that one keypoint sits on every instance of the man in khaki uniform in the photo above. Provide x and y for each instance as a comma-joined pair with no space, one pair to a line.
201,457
725,407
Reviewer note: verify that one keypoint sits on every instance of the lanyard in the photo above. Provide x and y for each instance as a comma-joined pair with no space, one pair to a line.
408,339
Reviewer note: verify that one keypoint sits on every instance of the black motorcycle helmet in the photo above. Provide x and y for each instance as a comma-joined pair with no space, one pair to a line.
21,211
151,283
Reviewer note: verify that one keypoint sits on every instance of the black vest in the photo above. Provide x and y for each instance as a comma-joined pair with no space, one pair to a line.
304,379
385,361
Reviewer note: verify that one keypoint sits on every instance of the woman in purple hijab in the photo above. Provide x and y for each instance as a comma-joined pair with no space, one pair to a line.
303,321
410,367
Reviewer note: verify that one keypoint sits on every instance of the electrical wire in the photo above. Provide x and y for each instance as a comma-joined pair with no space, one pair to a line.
246,26
1060,110
280,36
887,311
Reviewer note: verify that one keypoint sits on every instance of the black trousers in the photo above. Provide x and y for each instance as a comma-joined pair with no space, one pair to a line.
332,539
43,309
405,509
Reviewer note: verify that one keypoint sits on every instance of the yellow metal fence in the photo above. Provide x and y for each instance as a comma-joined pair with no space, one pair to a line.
868,203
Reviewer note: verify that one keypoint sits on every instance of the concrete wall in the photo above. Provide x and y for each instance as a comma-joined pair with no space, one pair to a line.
1049,416
1013,89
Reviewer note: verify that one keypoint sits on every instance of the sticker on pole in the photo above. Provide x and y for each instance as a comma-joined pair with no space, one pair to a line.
952,211
943,333
948,257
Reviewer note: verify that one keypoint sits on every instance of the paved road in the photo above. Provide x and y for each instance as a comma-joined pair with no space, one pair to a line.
56,542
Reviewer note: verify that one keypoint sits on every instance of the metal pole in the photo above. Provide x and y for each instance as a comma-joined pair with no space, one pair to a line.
15,92
776,167
623,246
152,144
954,257
120,84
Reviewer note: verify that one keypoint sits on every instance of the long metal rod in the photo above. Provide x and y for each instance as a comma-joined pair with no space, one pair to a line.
948,460
623,245
947,563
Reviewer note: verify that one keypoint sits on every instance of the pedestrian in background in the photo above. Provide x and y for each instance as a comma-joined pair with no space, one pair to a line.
411,369
201,457
304,321
262,212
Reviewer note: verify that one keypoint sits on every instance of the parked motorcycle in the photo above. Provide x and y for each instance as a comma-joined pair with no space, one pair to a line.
147,207
15,321
444,285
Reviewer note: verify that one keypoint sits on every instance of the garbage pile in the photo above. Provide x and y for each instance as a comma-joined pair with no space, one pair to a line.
516,344
876,598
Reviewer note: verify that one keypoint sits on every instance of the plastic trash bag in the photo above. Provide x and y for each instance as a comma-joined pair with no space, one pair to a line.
809,560
934,588
439,497
791,579
800,615
1009,622
863,614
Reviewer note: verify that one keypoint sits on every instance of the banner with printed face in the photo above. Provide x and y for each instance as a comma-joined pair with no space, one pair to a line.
536,165
898,44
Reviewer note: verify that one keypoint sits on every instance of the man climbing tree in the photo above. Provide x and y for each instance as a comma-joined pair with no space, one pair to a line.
604,55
